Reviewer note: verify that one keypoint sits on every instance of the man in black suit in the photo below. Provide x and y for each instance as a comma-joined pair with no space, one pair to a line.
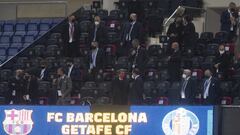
222,61
32,87
43,72
71,35
189,38
136,90
17,88
138,56
174,62
98,32
96,59
120,88
229,21
73,71
188,88
210,92
175,30
131,30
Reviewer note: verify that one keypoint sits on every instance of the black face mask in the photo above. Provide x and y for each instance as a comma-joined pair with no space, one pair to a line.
42,67
232,10
93,47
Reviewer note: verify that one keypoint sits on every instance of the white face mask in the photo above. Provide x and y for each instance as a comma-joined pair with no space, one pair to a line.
221,52
96,23
184,76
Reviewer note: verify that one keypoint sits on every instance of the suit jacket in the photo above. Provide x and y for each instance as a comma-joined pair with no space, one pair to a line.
120,90
178,31
140,60
189,37
136,91
224,61
190,91
46,76
213,92
20,87
135,34
65,33
33,90
75,74
99,59
65,85
174,65
101,34
226,23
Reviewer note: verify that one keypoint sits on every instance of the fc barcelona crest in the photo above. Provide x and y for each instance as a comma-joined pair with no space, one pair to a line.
18,122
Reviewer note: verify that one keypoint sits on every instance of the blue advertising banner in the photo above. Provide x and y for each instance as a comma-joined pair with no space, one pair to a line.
84,120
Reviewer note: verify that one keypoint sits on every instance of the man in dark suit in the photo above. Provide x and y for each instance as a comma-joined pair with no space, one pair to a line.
32,87
98,32
63,85
17,88
188,88
70,36
73,71
43,71
136,90
189,38
138,56
175,30
210,92
95,59
229,21
174,62
131,30
120,88
222,61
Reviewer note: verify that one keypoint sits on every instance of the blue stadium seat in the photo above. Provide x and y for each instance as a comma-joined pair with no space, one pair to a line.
8,29
47,20
32,33
24,21
32,27
17,39
5,39
20,27
57,20
2,58
16,45
5,45
36,20
29,39
44,27
2,51
20,33
12,51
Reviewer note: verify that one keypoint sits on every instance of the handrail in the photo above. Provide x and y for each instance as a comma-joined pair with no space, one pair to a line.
33,2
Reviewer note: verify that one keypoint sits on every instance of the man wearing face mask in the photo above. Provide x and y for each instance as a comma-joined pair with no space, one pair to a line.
174,62
222,61
210,92
95,59
120,86
138,56
131,30
70,36
188,88
98,32
43,71
73,71
17,88
136,90
229,21
175,30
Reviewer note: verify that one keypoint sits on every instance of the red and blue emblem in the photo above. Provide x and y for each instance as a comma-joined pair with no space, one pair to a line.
18,122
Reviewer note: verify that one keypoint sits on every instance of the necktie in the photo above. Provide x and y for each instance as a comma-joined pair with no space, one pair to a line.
42,74
183,89
206,88
130,32
71,31
95,33
135,59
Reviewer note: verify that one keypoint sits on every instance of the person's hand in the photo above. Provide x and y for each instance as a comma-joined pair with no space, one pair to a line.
121,43
133,52
216,65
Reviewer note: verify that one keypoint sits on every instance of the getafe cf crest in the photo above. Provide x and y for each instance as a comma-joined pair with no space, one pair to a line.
180,122
18,122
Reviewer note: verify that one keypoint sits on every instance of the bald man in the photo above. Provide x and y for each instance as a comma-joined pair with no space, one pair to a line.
131,30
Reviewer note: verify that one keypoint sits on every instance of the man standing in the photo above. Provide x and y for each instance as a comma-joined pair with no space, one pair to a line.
98,32
73,71
43,73
174,62
136,90
138,56
210,92
229,21
17,88
188,88
120,88
63,85
131,30
70,35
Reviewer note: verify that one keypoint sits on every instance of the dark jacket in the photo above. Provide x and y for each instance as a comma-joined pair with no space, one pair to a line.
177,31
226,23
20,87
224,60
136,91
135,34
65,33
190,91
189,38
120,89
140,58
174,65
75,74
101,34
213,92
99,59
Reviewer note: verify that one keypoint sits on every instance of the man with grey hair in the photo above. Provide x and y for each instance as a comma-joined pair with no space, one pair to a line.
188,88
131,30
